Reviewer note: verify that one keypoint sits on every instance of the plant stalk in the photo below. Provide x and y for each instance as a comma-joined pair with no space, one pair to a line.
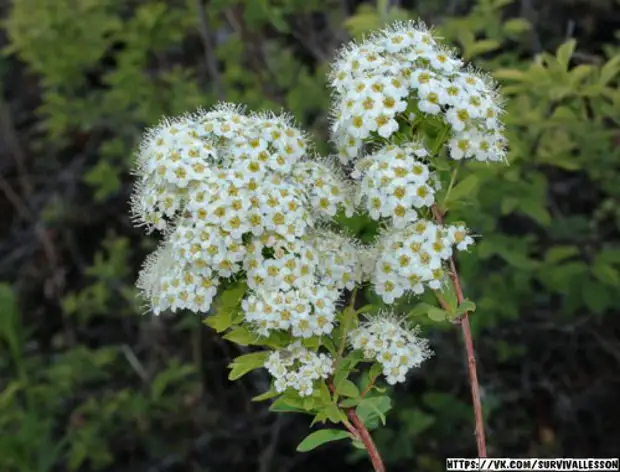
359,431
366,439
470,351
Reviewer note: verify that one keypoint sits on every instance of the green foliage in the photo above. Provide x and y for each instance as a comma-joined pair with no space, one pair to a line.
322,436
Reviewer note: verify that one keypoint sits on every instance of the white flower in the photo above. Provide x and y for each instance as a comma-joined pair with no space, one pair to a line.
390,342
298,368
375,80
395,182
413,257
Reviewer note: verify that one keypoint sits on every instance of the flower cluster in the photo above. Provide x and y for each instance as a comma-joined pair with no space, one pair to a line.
296,367
400,76
168,284
213,181
412,257
240,195
325,186
339,258
296,285
388,341
395,182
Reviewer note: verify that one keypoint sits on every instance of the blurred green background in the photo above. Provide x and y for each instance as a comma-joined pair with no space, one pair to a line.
88,383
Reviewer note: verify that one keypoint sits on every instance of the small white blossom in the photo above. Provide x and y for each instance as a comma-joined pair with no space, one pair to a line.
390,342
413,257
298,368
378,81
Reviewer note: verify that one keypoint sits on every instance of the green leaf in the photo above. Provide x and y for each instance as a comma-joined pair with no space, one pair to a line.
434,313
437,314
320,437
605,273
312,343
510,74
242,336
346,388
246,363
596,296
221,321
350,402
333,413
557,254
516,26
565,52
609,70
482,47
265,396
465,188
534,208
231,297
287,405
374,407
467,306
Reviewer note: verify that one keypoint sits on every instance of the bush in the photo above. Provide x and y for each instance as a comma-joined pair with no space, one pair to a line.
89,384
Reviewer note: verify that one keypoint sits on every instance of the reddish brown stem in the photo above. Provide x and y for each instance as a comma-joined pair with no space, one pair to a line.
359,431
469,349
475,388
366,439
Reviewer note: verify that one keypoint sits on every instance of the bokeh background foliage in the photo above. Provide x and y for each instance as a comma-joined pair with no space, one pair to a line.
89,384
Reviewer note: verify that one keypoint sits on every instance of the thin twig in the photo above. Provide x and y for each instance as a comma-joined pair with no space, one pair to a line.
470,351
359,431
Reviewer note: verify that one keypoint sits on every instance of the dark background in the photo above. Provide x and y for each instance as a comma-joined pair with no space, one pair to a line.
88,383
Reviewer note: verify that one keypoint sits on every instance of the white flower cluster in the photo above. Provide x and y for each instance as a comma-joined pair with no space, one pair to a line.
324,184
385,82
395,182
296,285
410,258
339,258
296,367
169,284
394,346
214,181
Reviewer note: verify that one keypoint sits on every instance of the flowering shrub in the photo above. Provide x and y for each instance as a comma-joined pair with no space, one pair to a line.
246,208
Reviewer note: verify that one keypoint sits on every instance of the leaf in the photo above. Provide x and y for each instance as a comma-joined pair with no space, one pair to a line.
320,437
596,296
534,208
246,363
265,396
171,376
516,26
350,402
511,74
557,254
465,188
437,314
287,405
467,306
482,47
333,413
605,273
346,388
231,297
221,321
420,309
374,407
565,52
242,336
609,70
580,73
